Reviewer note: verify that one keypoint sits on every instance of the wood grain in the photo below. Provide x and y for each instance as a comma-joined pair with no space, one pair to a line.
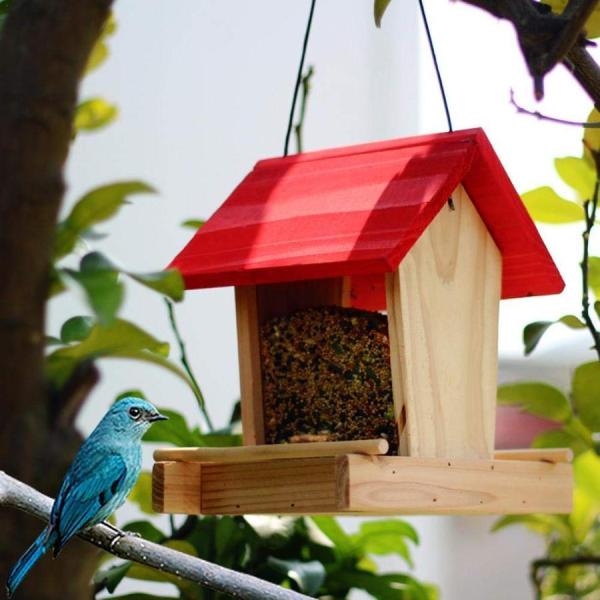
405,485
443,311
358,484
280,299
177,487
289,486
246,310
272,451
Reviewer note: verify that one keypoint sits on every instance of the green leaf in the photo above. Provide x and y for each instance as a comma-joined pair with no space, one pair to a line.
546,206
546,525
386,537
55,285
131,393
216,439
586,394
391,586
554,438
538,399
94,113
533,333
76,329
168,282
379,8
174,431
594,274
111,577
100,50
146,529
100,281
121,339
572,322
332,529
141,494
96,206
50,340
193,223
586,499
309,575
591,138
578,174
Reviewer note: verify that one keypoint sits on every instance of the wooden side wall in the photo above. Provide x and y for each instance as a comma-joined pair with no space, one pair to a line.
443,320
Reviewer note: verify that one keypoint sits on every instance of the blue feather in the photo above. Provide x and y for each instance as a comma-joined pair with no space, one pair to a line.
44,541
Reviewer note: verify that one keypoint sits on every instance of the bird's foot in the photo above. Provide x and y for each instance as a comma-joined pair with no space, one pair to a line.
119,534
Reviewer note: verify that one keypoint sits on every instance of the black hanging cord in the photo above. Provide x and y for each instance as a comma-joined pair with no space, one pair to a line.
435,64
298,78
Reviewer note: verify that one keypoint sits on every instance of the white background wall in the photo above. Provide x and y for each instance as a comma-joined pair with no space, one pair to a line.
204,91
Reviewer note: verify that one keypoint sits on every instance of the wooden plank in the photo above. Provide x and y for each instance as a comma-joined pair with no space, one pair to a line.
272,451
176,487
358,484
406,485
550,455
279,299
250,369
443,311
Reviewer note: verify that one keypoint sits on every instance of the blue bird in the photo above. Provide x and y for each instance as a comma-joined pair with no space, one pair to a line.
97,482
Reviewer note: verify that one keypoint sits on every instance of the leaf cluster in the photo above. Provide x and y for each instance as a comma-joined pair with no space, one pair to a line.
576,414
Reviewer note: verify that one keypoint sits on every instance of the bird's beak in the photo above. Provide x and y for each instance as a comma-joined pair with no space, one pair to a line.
157,417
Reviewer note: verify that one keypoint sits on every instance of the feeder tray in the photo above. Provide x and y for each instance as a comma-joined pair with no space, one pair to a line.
371,227
353,478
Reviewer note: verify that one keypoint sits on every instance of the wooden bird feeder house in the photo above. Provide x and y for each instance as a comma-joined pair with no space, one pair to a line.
428,230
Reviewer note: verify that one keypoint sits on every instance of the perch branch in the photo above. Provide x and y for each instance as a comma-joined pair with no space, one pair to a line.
16,494
548,39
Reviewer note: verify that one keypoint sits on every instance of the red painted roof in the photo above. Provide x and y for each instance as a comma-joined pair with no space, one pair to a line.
357,211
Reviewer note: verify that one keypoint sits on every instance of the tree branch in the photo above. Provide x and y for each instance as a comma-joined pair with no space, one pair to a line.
547,39
16,494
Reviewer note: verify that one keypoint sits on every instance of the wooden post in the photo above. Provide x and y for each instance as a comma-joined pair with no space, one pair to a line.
443,321
254,306
246,309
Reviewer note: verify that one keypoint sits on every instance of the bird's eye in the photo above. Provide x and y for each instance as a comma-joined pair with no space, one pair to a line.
135,413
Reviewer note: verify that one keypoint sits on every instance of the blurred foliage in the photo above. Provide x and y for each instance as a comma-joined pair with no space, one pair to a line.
314,556
571,567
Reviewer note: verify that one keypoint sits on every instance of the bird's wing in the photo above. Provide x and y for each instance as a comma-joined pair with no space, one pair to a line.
89,486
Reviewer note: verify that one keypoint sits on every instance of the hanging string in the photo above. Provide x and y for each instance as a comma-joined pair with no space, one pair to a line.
298,78
435,64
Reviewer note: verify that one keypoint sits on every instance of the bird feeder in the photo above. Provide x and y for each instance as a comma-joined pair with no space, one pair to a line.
428,230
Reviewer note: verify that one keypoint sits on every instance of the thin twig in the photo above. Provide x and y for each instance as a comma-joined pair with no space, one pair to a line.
186,365
542,117
15,494
299,127
589,209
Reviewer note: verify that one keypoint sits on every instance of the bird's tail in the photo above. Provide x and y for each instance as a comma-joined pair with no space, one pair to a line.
31,556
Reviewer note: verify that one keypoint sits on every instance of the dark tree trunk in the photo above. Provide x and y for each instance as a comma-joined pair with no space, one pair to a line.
44,47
